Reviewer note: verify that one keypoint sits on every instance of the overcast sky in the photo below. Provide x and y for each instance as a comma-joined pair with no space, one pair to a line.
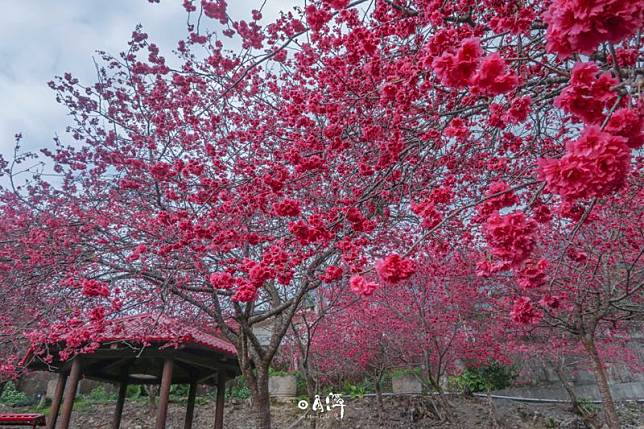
40,39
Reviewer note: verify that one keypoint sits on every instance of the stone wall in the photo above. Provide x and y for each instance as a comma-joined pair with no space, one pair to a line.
542,382
620,391
577,369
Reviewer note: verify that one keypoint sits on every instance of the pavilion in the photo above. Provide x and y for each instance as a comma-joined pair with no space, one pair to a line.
143,349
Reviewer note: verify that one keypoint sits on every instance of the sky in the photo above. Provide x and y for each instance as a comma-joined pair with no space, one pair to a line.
40,39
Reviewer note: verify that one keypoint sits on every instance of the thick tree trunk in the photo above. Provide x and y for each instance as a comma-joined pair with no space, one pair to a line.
610,411
261,400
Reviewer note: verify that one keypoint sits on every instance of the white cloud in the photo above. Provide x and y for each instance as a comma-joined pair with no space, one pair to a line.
40,39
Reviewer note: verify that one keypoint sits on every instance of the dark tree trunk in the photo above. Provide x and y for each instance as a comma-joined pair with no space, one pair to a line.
610,411
381,404
261,399
428,379
377,383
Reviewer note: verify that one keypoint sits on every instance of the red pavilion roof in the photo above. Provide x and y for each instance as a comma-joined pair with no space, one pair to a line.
156,328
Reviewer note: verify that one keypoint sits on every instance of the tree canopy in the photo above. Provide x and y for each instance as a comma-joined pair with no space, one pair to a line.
401,150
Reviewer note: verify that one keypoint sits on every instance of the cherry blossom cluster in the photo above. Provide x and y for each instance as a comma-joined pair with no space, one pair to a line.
594,165
393,268
511,236
579,26
487,75
362,286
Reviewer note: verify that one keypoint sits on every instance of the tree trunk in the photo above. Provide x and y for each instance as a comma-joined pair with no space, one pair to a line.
261,400
494,422
381,404
434,383
310,389
610,411
569,389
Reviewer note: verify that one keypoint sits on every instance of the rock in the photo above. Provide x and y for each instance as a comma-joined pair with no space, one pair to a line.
282,387
35,383
51,388
406,384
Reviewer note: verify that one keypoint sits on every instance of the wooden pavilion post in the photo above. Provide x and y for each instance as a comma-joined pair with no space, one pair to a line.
70,393
118,412
221,391
164,394
56,400
190,410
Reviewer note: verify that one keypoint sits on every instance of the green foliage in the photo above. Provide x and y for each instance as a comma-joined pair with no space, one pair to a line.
493,376
100,395
301,384
202,399
238,389
357,390
278,373
180,389
179,392
241,392
40,409
399,372
81,404
11,396
134,391
586,407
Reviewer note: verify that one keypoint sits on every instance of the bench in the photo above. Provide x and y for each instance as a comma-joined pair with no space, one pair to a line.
32,420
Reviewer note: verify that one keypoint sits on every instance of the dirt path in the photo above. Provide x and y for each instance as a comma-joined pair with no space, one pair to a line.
399,413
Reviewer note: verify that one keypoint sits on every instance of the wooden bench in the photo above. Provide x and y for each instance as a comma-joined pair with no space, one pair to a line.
32,420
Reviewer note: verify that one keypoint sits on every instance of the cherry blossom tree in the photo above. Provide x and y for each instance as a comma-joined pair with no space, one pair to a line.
356,345
35,249
441,317
587,285
340,141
